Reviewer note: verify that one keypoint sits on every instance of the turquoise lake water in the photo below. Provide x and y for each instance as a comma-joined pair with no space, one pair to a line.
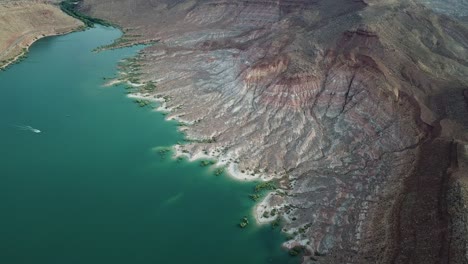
91,189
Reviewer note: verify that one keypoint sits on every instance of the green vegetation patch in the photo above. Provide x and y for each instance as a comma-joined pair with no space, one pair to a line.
163,152
260,188
244,222
255,197
69,7
295,251
142,103
276,223
205,163
219,171
270,185
208,140
150,86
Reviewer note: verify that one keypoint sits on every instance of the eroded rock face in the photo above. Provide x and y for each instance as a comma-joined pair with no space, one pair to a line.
344,103
457,8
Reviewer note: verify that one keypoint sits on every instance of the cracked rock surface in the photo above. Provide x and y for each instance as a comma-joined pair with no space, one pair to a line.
358,109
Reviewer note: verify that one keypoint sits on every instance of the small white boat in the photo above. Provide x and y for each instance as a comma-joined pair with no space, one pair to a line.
29,128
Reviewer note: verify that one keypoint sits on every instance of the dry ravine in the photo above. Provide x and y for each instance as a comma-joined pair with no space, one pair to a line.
356,109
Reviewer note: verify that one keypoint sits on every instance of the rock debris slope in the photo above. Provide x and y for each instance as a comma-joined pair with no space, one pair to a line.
357,109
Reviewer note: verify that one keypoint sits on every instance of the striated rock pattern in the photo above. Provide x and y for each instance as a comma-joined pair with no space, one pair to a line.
451,7
356,108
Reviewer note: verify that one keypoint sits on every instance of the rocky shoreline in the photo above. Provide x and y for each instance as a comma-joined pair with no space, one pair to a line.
353,118
33,20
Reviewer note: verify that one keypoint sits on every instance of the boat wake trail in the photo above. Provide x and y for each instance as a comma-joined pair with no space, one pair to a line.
28,128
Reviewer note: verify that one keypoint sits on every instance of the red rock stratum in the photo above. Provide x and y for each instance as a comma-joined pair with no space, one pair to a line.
357,108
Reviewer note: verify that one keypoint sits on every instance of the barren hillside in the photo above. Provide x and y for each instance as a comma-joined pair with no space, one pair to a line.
24,21
358,109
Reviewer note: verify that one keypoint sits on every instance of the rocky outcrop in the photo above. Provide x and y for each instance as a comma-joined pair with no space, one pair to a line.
355,108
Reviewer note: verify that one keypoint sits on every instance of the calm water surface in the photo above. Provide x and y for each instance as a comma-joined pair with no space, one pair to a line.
91,189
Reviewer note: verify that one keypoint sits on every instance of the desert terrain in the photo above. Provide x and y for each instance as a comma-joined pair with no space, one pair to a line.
24,21
357,110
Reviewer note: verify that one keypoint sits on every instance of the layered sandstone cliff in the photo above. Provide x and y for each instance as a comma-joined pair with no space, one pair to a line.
356,109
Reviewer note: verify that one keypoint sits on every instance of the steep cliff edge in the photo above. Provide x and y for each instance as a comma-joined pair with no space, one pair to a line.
24,21
357,109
